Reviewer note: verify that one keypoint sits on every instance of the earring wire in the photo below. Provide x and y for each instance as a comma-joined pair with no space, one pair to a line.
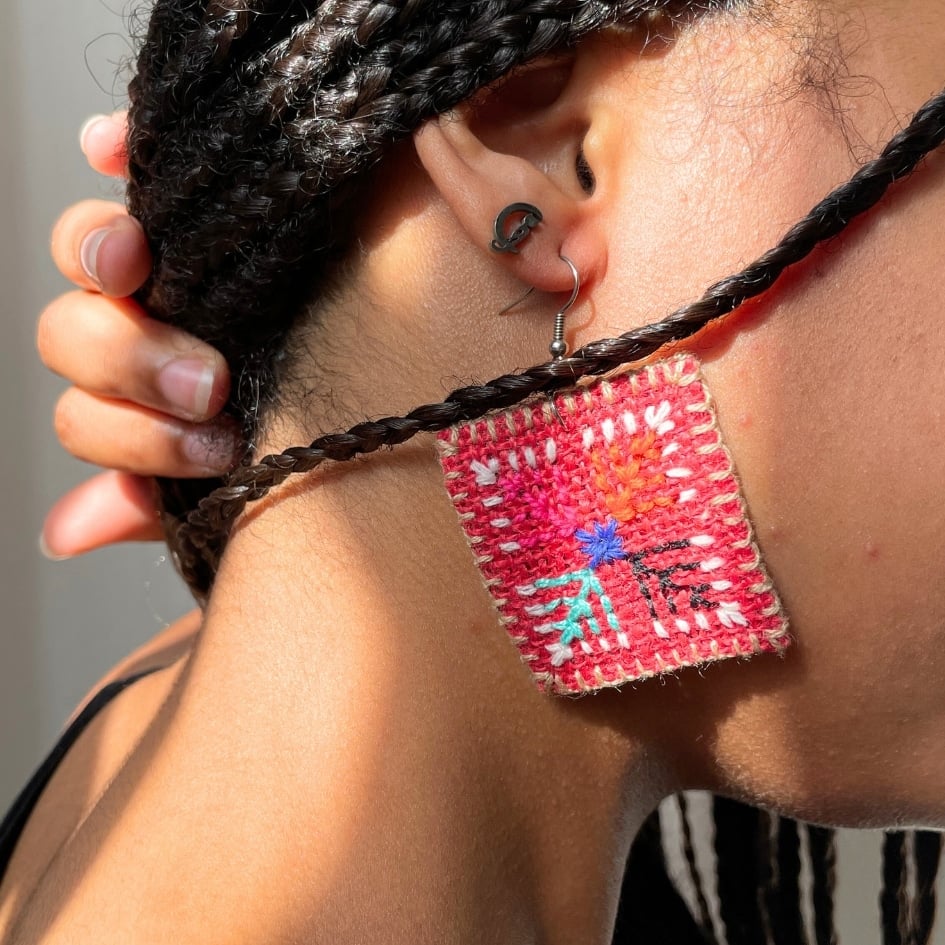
559,347
517,302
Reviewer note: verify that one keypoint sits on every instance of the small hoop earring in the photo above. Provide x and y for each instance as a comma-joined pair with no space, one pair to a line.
509,243
559,347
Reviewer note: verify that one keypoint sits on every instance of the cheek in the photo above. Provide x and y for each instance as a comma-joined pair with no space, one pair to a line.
707,170
830,392
832,405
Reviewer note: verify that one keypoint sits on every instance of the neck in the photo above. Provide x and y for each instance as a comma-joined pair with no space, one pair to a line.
396,704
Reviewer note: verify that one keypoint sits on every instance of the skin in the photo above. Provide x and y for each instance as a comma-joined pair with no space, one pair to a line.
389,723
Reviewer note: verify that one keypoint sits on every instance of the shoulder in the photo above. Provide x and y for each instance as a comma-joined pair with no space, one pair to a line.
164,649
96,757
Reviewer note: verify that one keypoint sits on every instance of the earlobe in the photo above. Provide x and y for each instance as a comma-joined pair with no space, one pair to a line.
492,194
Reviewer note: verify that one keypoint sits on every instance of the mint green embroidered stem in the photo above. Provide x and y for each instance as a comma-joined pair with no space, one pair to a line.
580,607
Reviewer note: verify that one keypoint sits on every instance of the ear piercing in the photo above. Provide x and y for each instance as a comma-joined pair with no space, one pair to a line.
508,242
559,347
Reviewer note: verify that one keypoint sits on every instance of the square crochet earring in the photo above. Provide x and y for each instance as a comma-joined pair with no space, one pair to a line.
611,531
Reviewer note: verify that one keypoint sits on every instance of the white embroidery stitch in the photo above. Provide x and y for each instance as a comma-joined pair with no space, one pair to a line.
560,654
657,416
485,475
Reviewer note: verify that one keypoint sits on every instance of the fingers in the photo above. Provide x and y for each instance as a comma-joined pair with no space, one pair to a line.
102,140
123,436
96,245
143,388
111,507
110,348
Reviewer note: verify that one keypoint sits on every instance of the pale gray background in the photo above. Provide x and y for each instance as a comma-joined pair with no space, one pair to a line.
64,624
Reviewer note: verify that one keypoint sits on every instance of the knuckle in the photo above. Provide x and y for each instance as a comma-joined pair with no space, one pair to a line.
98,433
52,329
66,423
66,226
57,233
46,337
75,338
74,224
92,433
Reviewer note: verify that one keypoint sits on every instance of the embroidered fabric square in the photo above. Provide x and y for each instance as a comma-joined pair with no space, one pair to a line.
611,531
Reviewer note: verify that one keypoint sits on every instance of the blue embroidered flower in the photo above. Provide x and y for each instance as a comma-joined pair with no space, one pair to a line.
603,545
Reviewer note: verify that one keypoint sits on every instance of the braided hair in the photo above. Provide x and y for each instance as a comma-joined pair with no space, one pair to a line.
253,127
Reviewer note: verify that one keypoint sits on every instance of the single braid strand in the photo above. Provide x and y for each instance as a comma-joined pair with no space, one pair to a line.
823,859
893,903
928,854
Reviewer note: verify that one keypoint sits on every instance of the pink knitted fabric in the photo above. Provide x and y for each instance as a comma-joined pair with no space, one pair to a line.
611,531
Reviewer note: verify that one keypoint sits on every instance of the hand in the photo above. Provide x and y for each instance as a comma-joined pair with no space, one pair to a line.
144,393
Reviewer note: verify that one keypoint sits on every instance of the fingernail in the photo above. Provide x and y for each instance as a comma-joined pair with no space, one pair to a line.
212,448
187,385
88,253
47,553
87,127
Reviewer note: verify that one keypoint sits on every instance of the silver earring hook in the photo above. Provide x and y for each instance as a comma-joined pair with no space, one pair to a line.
559,347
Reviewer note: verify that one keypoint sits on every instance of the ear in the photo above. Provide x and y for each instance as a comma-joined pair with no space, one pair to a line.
516,145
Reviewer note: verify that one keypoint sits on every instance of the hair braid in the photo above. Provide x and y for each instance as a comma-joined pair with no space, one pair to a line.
737,827
256,185
928,854
252,126
767,875
226,21
324,41
823,859
784,901
892,900
651,907
246,219
199,540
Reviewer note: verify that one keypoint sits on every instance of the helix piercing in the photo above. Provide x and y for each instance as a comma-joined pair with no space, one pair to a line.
509,242
559,347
